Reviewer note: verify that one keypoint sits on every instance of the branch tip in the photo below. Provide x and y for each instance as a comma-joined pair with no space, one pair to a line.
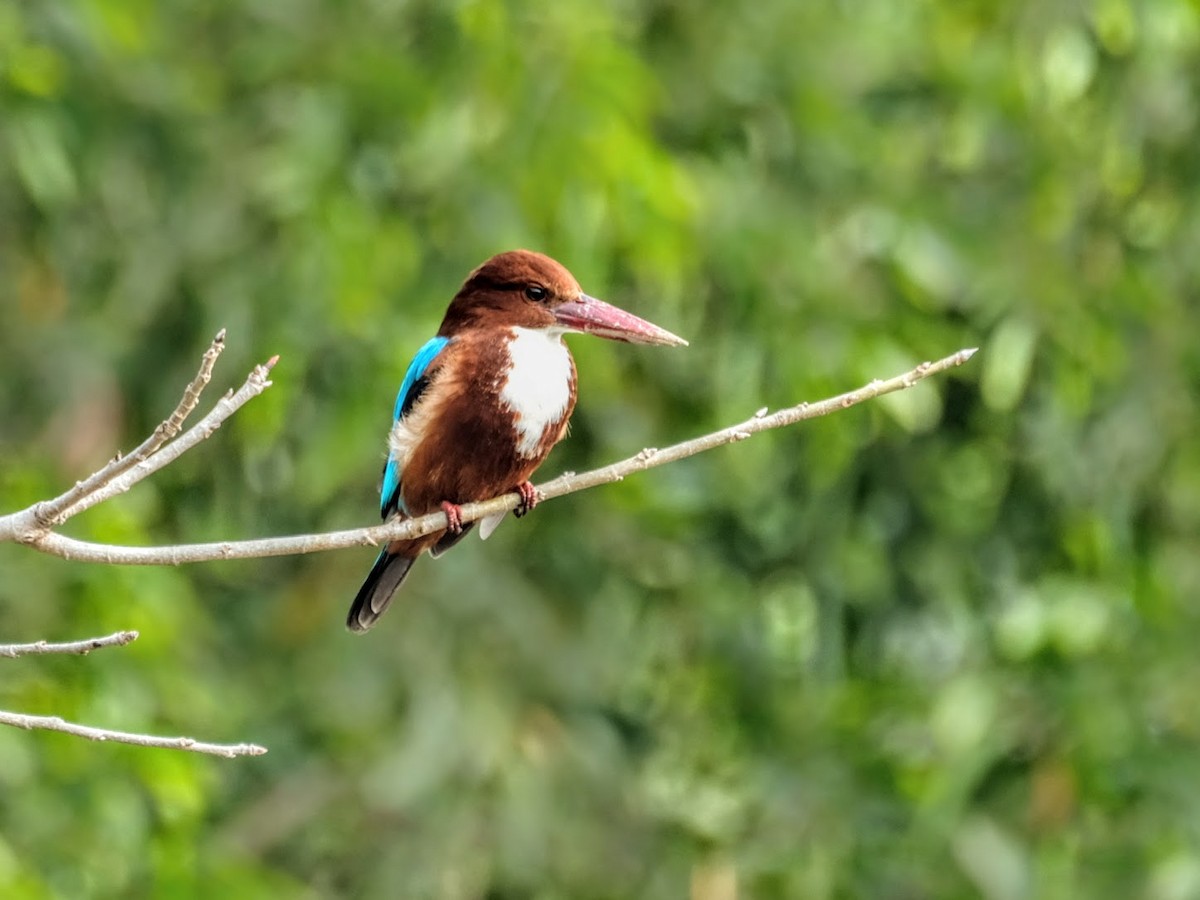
104,735
79,648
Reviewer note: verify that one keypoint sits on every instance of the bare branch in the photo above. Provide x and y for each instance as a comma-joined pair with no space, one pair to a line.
29,526
82,648
256,382
568,483
56,511
54,723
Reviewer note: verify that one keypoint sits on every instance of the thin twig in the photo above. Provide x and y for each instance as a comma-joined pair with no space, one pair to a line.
56,511
256,382
69,548
54,723
82,648
26,526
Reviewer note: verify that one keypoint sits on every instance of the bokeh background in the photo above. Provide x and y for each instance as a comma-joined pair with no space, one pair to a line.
943,645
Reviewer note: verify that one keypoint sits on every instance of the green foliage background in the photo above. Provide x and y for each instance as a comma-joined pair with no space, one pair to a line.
943,645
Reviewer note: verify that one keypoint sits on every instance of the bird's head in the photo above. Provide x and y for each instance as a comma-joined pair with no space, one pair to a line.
531,290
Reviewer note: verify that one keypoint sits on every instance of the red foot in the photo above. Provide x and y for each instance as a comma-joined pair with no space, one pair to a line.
453,517
529,498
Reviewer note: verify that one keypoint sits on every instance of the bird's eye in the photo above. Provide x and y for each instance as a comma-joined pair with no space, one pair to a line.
536,294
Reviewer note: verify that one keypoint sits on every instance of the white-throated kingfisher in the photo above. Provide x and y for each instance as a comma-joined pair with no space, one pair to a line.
482,404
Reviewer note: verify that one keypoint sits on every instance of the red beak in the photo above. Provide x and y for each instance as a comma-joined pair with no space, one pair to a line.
592,316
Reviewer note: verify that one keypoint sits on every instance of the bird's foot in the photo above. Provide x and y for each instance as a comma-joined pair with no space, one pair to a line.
453,517
529,498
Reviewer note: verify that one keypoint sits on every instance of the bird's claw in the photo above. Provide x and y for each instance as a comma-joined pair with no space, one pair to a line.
529,498
453,517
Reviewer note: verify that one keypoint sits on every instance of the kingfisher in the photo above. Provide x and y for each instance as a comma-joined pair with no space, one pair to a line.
483,403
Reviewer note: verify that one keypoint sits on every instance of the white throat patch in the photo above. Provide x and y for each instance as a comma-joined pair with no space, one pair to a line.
538,386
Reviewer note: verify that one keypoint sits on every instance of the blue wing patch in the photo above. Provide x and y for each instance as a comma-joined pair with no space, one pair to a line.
410,389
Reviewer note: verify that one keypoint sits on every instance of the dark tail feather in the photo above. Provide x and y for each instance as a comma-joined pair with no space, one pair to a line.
377,591
449,539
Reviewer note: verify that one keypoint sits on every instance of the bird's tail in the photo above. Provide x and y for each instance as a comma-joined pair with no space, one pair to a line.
376,593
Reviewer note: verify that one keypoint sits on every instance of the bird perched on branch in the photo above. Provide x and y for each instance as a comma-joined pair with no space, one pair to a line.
482,404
